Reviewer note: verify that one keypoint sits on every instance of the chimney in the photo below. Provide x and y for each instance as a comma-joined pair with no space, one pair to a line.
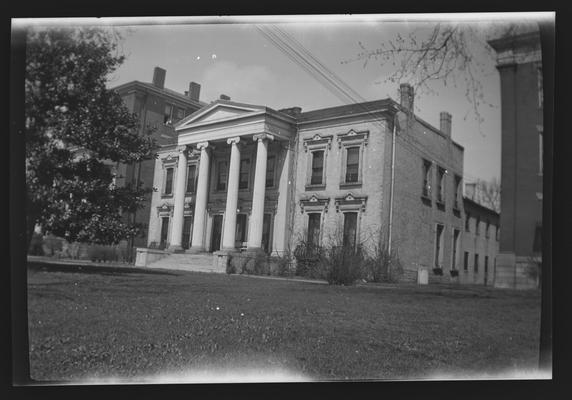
293,111
406,94
194,91
159,77
224,97
445,125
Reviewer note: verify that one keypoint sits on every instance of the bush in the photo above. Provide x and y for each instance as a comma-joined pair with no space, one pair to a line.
380,266
342,265
52,245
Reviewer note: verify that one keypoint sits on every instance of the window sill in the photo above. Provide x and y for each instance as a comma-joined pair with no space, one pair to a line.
315,187
346,185
426,200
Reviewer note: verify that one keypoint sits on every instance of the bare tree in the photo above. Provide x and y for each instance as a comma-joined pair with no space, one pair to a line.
442,51
489,193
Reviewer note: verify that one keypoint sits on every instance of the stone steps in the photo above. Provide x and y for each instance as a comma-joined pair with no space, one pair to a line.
188,262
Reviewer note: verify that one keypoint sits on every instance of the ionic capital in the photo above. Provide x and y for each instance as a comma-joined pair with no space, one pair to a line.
262,136
203,145
233,140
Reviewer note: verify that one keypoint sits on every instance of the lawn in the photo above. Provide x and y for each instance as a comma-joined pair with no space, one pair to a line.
98,323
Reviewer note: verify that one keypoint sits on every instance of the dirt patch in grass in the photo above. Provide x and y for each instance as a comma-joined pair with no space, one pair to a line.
133,324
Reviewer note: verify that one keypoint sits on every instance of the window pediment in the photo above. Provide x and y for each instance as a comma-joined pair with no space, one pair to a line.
314,203
354,136
350,202
165,210
318,140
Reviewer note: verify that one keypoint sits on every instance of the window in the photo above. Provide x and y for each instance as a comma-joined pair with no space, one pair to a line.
441,185
439,246
191,172
180,113
168,115
457,191
244,174
222,176
487,228
169,181
270,167
352,165
477,223
314,229
317,168
476,265
456,233
426,178
350,228
486,264
540,150
467,222
497,233
466,261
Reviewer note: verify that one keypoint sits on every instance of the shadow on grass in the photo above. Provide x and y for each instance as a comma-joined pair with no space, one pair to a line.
92,269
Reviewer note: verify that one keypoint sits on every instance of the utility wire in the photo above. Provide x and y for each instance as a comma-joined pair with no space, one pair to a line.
305,59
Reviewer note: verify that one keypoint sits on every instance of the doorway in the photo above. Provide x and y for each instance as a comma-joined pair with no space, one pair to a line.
187,228
266,223
216,232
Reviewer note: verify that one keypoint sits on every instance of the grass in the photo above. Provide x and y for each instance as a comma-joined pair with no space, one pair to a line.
102,322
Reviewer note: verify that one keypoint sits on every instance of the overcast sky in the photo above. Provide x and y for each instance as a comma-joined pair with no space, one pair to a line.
237,60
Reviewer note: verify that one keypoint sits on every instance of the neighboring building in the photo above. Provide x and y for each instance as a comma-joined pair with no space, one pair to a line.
480,244
520,67
157,109
242,176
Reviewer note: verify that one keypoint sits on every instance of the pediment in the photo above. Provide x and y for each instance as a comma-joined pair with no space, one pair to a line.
218,112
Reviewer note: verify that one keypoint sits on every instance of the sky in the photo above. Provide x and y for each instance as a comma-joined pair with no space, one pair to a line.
230,56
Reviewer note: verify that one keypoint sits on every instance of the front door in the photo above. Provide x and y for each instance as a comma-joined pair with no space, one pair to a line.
217,232
187,227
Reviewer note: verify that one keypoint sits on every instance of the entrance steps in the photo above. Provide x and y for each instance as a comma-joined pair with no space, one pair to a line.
202,262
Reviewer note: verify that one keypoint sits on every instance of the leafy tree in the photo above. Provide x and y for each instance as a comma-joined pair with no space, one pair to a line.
75,130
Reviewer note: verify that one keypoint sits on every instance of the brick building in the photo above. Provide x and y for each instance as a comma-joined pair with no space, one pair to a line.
520,67
158,110
241,176
480,244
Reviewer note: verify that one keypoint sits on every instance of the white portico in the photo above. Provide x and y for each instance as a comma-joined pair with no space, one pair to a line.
239,192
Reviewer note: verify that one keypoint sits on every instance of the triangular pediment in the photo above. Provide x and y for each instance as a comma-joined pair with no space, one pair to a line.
218,112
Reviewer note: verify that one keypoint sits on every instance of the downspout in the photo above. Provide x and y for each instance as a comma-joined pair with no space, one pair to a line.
392,183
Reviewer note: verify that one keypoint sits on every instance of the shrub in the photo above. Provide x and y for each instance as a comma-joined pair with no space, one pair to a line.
52,245
342,265
381,266
308,261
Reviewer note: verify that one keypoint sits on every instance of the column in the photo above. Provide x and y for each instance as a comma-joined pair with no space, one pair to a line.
199,218
257,215
179,208
229,231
